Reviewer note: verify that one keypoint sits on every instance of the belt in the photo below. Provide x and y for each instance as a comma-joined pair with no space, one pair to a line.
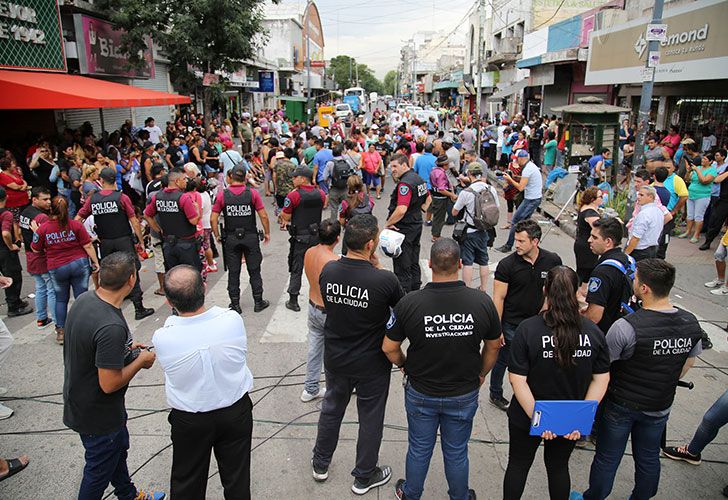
316,306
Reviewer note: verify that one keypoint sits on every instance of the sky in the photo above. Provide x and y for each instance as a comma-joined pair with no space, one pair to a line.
373,31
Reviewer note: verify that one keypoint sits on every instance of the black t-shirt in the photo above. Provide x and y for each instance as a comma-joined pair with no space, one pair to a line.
606,288
525,284
213,156
533,356
328,142
445,324
383,148
723,195
357,297
42,173
176,156
97,336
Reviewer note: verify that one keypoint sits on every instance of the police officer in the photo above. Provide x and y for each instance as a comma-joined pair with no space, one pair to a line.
36,265
302,212
409,200
113,212
650,350
607,287
178,217
238,205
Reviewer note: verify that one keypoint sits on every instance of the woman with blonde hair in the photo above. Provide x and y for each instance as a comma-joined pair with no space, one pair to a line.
89,181
357,202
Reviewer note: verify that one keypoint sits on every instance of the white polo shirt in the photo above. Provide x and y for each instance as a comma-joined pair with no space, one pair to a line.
204,359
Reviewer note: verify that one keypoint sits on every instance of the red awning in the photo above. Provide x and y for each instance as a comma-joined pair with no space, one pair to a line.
30,90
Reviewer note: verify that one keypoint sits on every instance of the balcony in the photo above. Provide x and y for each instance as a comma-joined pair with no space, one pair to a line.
505,50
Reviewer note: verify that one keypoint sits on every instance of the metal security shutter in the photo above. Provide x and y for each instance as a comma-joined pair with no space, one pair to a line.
160,82
113,118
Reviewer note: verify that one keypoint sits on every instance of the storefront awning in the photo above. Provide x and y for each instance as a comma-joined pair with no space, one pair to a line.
30,90
509,90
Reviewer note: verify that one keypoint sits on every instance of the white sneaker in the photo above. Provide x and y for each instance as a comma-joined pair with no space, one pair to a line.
720,291
714,284
5,412
306,397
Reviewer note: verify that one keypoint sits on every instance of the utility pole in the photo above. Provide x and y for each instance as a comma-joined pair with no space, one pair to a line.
350,80
479,71
356,68
643,120
414,74
308,67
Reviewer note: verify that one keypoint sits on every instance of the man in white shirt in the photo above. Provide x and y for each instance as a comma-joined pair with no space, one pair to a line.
155,133
203,353
229,158
644,234
531,183
474,246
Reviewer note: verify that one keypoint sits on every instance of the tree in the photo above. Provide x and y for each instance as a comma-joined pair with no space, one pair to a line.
390,82
341,67
367,80
202,35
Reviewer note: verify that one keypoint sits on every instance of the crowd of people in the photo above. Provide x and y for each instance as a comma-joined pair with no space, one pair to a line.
93,207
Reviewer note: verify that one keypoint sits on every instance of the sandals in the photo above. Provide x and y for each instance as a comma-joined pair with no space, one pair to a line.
14,466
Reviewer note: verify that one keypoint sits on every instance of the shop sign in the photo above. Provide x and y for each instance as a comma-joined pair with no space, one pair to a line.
656,33
560,56
99,50
266,82
695,47
30,35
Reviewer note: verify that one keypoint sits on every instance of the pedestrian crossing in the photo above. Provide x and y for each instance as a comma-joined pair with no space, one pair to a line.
286,325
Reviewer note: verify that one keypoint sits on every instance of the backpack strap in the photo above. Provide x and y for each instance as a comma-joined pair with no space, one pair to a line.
614,263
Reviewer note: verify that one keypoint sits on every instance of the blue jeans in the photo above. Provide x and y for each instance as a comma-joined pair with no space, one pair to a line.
715,418
73,275
316,321
454,417
615,427
499,369
523,212
106,463
45,296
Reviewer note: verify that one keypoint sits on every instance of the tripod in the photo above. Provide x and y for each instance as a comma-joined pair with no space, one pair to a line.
555,220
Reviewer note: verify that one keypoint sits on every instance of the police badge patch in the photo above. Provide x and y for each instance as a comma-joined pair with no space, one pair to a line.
403,189
392,320
594,284
287,202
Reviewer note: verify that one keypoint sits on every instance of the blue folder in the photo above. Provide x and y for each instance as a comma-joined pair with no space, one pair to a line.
563,417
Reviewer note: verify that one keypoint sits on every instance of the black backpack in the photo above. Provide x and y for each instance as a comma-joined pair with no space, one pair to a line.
341,173
363,208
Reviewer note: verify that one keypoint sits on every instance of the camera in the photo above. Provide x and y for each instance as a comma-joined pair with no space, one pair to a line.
499,173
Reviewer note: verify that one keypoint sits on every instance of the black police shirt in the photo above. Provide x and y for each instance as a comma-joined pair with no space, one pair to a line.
445,324
525,284
357,297
605,288
533,356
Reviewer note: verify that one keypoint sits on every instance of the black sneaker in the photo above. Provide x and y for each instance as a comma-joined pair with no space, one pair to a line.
43,323
499,402
260,305
472,495
143,312
681,454
21,311
503,249
235,307
725,491
320,474
399,490
706,344
381,476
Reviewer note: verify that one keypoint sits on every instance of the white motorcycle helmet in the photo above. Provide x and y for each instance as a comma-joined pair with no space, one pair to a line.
390,242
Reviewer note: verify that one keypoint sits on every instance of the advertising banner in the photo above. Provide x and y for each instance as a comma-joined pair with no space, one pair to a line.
30,36
99,50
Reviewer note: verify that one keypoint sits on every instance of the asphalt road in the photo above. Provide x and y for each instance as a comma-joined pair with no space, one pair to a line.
277,353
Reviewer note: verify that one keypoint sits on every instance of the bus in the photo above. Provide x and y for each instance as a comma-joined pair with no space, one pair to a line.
361,94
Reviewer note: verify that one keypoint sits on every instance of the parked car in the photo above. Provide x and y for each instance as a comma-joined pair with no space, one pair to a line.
344,112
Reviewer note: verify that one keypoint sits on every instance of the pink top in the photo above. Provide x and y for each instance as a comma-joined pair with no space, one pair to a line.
62,245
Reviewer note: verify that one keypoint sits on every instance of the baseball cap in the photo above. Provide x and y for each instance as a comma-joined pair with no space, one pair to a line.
375,127
442,160
522,153
303,172
475,168
108,175
280,154
238,173
147,145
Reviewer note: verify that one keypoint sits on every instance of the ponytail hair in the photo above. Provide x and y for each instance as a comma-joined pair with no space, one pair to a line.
562,315
59,211
355,186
